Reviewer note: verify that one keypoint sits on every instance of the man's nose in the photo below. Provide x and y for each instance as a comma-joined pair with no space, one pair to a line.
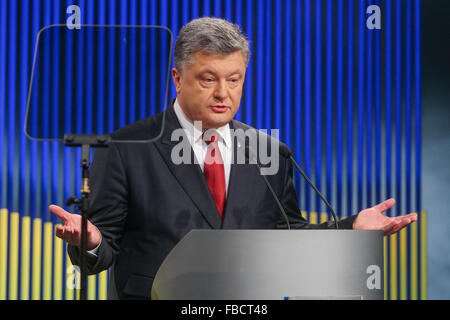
220,92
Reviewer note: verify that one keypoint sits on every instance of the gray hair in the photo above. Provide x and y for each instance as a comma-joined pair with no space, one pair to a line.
210,35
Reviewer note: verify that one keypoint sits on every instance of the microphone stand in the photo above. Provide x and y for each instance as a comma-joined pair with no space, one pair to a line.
317,191
250,155
85,141
284,150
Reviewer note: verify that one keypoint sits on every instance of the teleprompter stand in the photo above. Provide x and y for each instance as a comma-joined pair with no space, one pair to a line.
86,142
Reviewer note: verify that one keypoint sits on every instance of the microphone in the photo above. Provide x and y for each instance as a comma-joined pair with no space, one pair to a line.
284,151
249,154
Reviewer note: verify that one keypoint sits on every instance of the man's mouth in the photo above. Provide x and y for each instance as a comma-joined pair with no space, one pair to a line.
220,108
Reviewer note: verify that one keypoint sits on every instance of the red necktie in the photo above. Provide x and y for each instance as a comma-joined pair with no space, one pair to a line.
214,173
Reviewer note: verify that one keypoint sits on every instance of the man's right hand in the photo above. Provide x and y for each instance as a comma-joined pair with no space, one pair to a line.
70,232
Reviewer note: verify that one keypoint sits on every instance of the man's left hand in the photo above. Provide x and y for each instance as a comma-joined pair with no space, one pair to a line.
373,219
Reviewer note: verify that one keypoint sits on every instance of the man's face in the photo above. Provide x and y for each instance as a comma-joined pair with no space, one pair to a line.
210,89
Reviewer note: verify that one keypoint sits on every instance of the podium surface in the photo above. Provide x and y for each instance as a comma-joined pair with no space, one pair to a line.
273,265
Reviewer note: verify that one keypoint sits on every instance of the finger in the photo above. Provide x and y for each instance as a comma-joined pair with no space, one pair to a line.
395,227
399,227
385,205
73,237
408,216
76,230
59,231
399,224
413,216
406,221
63,233
391,228
66,235
60,213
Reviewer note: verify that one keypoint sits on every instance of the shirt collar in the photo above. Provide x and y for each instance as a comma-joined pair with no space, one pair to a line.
194,133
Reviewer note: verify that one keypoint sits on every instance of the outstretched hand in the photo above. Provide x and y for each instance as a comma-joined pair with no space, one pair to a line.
373,219
70,232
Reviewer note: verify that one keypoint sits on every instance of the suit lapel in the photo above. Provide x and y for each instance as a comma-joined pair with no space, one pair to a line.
241,177
189,176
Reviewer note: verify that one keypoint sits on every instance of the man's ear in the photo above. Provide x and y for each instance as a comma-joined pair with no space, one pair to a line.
176,75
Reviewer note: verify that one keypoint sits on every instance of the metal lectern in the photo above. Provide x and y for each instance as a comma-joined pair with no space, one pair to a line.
273,265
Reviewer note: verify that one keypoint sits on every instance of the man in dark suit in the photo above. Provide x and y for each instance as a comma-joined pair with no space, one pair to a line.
143,202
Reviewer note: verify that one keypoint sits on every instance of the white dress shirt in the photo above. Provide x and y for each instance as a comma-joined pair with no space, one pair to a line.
194,133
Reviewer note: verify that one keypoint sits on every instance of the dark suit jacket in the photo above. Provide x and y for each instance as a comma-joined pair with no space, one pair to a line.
143,204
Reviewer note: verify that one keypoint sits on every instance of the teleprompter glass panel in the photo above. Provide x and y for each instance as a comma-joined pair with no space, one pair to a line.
96,79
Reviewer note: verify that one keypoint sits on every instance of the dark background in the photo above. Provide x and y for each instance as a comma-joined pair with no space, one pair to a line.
436,142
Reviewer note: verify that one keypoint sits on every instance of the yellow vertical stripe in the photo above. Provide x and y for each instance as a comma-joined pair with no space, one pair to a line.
92,287
37,251
48,255
393,266
414,262
3,251
423,255
69,290
58,265
403,264
323,217
14,256
313,217
385,273
25,259
103,285
304,215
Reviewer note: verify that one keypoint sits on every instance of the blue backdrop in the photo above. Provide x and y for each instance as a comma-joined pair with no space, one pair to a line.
347,99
